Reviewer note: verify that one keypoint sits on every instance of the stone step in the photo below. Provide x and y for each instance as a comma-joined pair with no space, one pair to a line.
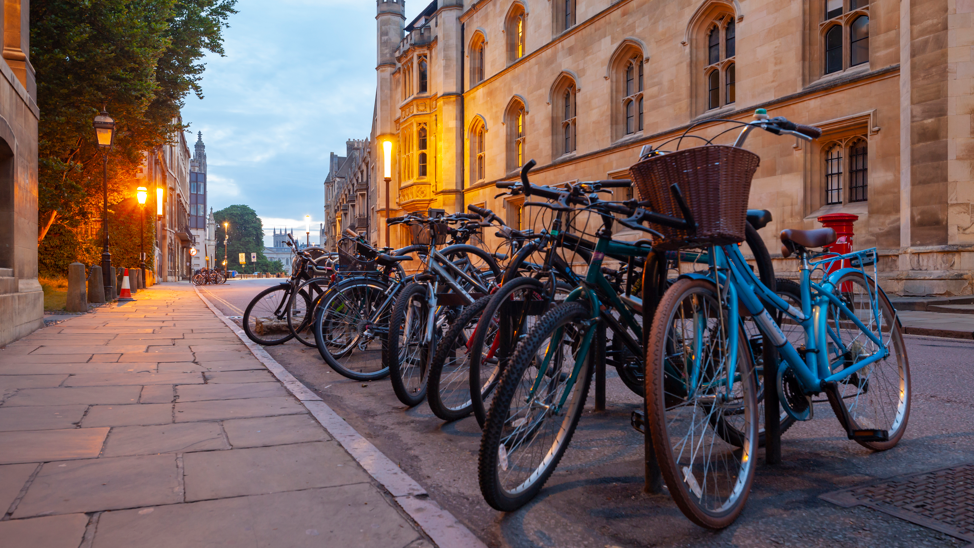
6,273
926,303
952,308
8,284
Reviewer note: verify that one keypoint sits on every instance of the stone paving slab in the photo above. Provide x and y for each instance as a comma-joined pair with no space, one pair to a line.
237,409
265,431
10,383
11,359
53,417
51,445
237,377
234,365
45,532
88,349
143,357
13,477
181,367
128,415
313,518
68,396
105,358
157,393
229,391
169,438
140,379
102,484
268,470
93,368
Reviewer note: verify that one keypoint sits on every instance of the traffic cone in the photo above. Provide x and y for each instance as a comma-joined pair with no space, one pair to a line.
126,293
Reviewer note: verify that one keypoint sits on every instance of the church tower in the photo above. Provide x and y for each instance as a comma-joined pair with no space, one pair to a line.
197,203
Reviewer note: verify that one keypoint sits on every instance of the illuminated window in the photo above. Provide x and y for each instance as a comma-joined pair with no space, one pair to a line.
516,30
478,48
515,135
423,76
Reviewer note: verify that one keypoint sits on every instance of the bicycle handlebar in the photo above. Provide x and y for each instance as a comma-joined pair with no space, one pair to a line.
811,132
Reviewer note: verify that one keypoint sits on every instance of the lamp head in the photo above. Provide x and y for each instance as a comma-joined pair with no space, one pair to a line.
141,193
387,159
104,129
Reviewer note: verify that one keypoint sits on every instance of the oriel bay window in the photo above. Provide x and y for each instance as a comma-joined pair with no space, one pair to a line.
421,140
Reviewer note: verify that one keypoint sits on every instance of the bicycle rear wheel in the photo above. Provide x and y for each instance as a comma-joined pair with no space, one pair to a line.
527,430
300,313
350,328
692,396
265,319
448,390
878,395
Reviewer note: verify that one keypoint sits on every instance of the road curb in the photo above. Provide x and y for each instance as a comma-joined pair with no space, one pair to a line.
441,526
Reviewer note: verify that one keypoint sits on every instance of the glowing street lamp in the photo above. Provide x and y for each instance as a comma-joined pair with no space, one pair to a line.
387,175
226,237
307,228
105,133
142,194
160,197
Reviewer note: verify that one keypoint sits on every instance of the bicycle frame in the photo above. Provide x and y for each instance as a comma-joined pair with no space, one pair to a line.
592,286
815,369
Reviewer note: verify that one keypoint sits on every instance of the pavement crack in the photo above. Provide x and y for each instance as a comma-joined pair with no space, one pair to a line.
21,494
90,529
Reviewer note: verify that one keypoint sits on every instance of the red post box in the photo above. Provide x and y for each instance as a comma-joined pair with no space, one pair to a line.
842,224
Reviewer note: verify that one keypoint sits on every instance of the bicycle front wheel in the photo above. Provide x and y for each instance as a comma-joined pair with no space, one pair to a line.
265,319
350,327
693,397
300,313
533,416
449,378
878,395
409,344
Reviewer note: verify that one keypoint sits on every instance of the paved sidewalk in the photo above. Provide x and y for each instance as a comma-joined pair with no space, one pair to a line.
151,424
937,324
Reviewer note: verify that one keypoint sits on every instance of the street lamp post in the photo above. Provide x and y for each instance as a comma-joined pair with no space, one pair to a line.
387,175
105,132
142,193
307,229
226,238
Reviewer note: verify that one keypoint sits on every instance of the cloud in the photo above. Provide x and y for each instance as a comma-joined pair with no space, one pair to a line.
297,81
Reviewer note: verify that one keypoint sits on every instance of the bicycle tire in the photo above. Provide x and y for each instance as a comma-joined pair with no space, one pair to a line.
304,330
663,391
445,395
349,293
864,382
250,331
409,371
481,385
491,457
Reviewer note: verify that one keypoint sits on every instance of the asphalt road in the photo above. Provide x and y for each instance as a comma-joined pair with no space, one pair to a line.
595,497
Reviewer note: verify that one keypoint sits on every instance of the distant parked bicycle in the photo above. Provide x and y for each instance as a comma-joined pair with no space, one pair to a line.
208,276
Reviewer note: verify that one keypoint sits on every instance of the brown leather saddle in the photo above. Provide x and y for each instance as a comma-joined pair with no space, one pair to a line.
793,240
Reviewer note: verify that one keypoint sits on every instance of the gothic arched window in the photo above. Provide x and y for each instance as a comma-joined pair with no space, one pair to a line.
516,30
859,41
515,135
568,122
718,66
833,49
833,174
730,82
421,162
423,76
478,47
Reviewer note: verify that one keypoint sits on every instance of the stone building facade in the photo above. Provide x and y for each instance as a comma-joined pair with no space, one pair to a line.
168,167
349,194
21,297
472,89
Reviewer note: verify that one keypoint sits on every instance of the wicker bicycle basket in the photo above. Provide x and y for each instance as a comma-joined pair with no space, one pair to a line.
350,263
715,182
421,233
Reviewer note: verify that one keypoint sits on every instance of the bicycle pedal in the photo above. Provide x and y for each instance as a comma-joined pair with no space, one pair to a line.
638,421
869,435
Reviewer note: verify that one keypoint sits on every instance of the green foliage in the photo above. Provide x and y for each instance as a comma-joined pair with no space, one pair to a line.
140,58
246,236
58,250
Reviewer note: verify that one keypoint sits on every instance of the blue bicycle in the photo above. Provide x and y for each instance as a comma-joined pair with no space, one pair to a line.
701,386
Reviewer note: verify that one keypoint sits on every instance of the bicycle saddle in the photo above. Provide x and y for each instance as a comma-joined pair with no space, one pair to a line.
758,218
793,239
389,260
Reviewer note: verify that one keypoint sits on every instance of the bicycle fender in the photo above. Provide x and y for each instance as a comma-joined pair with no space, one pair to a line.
581,292
695,276
834,277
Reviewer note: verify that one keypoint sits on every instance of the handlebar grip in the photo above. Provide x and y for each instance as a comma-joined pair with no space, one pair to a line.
506,184
466,216
395,219
351,233
809,131
524,176
612,183
483,212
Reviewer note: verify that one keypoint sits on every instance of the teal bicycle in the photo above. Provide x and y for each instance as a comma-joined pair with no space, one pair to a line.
541,393
701,386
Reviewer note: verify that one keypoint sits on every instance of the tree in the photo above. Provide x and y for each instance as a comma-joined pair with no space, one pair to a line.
140,58
246,236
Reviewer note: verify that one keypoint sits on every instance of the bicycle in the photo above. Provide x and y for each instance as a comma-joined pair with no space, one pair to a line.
268,318
700,384
451,279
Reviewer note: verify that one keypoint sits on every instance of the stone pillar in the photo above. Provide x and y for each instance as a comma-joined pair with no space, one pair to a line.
134,280
96,289
77,297
114,294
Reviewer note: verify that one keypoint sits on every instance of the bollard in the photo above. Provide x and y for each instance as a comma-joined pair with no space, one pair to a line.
96,286
114,274
134,280
77,296
842,224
